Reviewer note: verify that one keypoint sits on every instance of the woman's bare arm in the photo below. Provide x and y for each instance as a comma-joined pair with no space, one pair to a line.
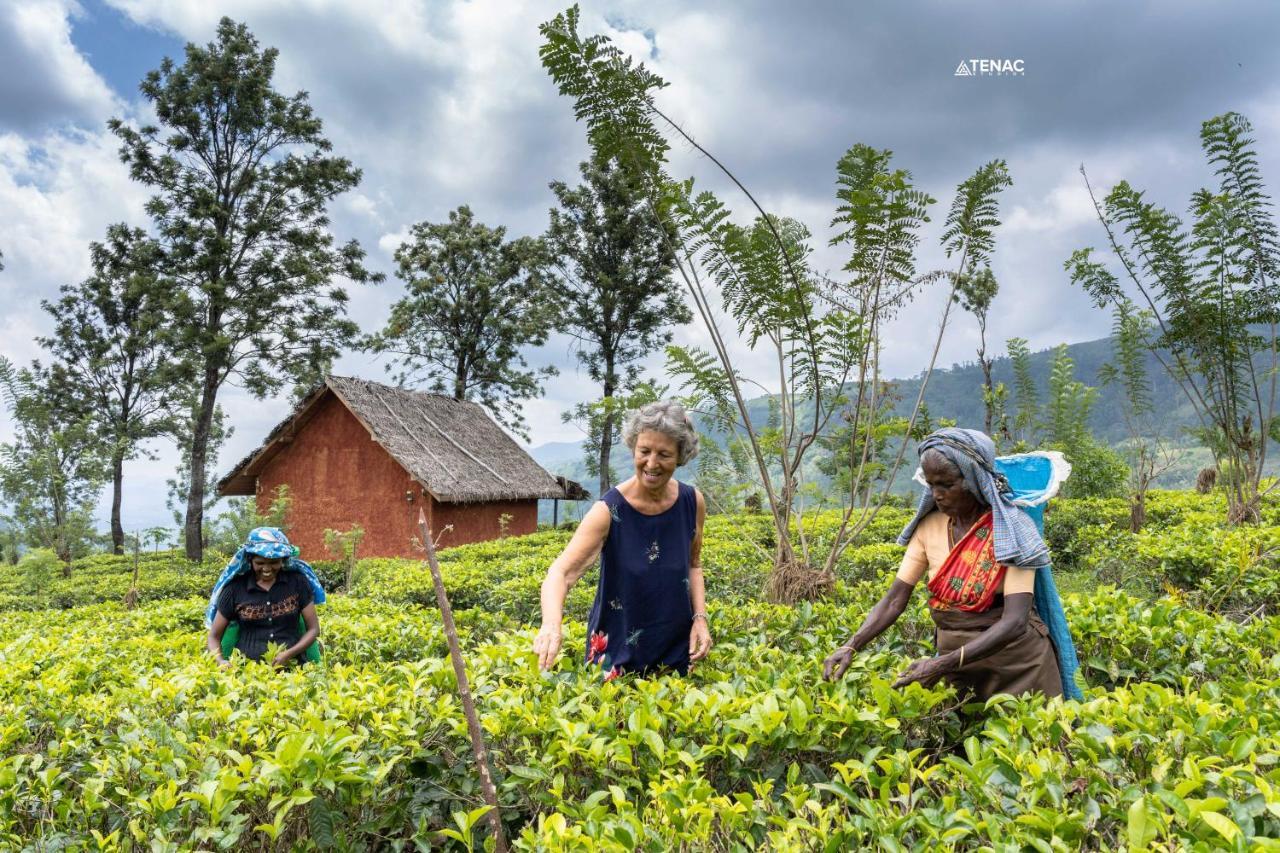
700,634
1011,625
214,638
885,612
565,571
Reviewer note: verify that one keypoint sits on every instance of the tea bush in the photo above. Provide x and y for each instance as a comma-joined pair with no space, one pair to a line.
119,733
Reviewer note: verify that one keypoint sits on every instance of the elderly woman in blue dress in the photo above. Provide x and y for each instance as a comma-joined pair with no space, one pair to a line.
650,607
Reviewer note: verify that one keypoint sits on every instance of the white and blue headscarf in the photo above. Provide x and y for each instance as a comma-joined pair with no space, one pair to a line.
1016,519
1017,542
269,542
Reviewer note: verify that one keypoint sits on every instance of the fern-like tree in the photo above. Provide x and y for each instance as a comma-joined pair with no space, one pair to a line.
879,214
242,177
1209,288
976,292
52,471
1147,452
112,345
760,271
617,294
1097,470
473,300
1026,398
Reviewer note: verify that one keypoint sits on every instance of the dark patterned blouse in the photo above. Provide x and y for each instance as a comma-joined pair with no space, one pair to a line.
265,615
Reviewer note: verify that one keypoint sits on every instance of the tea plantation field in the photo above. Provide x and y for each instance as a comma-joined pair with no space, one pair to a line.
118,733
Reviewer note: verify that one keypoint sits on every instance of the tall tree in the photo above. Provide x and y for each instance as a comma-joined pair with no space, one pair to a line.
473,300
976,293
52,471
1209,289
242,178
111,344
766,285
618,296
1146,451
1027,413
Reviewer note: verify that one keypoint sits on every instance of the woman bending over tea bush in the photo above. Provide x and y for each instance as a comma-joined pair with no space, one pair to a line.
650,606
990,593
270,596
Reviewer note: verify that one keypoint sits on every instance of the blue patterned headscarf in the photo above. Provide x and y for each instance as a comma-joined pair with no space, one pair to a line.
1017,542
269,542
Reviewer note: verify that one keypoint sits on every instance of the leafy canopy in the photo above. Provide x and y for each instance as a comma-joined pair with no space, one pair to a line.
473,300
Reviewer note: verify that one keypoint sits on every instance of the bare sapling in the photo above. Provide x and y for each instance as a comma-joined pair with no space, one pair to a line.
481,754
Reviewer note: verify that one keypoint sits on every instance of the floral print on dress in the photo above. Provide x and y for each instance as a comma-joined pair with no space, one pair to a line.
653,552
613,513
597,646
634,636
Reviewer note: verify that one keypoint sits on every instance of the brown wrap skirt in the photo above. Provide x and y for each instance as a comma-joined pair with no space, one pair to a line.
1028,663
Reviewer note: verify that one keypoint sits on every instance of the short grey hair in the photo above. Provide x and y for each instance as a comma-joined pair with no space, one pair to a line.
667,417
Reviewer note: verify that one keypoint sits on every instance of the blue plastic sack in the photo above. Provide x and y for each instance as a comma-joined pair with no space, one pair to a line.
1035,478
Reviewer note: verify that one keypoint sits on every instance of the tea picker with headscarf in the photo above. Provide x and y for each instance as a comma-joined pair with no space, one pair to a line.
1000,624
266,595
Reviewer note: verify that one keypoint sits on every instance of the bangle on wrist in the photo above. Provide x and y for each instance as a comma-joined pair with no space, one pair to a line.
701,616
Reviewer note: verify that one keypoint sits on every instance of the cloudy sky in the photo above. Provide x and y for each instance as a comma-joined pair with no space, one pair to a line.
444,103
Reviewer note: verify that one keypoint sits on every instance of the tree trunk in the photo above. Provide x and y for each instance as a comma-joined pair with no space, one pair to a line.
193,527
61,546
606,438
1138,511
117,489
987,402
460,382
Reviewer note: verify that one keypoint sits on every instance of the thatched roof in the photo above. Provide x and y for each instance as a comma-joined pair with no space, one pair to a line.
452,448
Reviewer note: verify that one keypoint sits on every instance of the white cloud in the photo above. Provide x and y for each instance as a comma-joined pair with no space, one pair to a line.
58,192
43,78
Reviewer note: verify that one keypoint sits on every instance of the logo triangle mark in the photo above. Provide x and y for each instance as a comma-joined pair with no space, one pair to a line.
962,70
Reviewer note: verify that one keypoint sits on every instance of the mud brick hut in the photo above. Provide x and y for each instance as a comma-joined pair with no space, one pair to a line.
357,452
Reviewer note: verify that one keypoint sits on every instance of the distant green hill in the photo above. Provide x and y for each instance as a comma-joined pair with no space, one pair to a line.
955,392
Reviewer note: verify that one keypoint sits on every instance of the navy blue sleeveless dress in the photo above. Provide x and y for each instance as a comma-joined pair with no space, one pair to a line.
642,614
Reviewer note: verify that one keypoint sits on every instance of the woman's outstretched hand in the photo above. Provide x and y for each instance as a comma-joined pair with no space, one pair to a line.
837,663
926,672
547,645
699,640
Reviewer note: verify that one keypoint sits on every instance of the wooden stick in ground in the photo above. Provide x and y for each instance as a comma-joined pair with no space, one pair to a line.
464,689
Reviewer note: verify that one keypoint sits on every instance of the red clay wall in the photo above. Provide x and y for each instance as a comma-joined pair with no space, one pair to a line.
479,522
339,476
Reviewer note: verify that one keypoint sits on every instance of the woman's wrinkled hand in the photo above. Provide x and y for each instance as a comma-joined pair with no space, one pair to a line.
699,640
926,672
837,663
282,659
547,645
